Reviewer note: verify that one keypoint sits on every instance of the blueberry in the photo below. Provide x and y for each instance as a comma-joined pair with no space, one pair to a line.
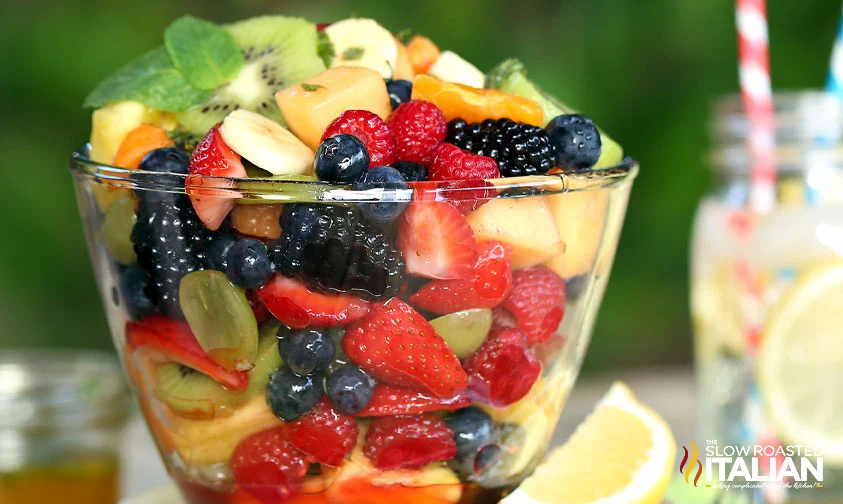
133,282
474,431
247,263
576,141
342,159
289,395
387,209
575,285
399,92
349,389
411,171
307,350
166,160
216,254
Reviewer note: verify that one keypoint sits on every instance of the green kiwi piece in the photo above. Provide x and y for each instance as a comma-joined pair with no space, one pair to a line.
192,394
279,52
511,77
220,317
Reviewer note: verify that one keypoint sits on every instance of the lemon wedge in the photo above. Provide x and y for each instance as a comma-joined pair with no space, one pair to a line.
622,454
800,361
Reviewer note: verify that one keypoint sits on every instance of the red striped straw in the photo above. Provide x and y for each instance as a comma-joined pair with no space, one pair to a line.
757,94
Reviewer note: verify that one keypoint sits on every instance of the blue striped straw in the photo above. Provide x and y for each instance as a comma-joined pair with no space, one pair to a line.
834,84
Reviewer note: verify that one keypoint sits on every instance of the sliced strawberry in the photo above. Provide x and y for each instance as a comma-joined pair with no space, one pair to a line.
408,441
396,345
297,306
172,340
213,198
267,466
261,312
503,370
537,302
436,241
389,400
325,434
486,288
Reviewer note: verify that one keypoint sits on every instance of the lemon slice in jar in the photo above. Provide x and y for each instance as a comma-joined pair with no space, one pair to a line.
800,362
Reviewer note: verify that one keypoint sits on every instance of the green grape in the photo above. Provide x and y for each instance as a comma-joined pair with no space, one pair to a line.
220,317
464,331
117,230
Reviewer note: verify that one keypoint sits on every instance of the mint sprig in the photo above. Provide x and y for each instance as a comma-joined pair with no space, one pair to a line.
152,80
197,58
203,52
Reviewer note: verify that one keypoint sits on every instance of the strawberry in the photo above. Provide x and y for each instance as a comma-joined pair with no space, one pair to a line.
261,312
396,345
324,434
503,370
297,306
537,302
267,466
213,158
436,241
172,340
466,195
486,288
408,441
388,400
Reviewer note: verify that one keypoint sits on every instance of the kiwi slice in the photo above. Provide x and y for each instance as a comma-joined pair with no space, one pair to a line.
192,394
279,52
511,77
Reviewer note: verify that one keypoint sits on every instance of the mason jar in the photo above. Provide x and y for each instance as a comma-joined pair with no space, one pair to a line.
767,305
62,416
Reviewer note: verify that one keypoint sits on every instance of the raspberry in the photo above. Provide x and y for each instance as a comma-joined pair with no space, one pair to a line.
267,466
324,433
537,302
418,127
503,370
452,163
408,441
369,129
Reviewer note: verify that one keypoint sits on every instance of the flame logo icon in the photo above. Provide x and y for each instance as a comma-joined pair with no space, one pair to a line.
690,462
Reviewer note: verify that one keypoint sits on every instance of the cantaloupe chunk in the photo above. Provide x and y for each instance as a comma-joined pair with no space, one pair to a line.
403,67
308,113
580,218
526,224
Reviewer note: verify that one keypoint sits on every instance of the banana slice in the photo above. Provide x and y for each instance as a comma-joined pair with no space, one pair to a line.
450,67
266,143
363,42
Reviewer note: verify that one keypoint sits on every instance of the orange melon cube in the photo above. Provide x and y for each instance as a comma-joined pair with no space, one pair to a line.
474,104
332,92
403,66
422,53
580,220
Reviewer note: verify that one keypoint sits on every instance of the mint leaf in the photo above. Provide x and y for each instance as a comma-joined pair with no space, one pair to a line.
311,87
324,48
352,53
404,35
152,80
204,53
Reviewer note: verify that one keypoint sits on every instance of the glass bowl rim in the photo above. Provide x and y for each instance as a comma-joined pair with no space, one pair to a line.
279,190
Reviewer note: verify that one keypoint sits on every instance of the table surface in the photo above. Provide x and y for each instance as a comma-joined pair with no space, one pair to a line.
671,392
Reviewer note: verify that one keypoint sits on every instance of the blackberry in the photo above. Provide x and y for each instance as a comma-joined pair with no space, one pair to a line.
332,249
170,242
518,148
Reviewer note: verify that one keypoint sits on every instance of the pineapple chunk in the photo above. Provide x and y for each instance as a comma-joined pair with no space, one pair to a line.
525,224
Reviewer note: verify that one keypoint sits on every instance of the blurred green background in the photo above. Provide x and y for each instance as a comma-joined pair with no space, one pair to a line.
647,71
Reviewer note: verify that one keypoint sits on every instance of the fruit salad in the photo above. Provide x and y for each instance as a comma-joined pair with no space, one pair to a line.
342,265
